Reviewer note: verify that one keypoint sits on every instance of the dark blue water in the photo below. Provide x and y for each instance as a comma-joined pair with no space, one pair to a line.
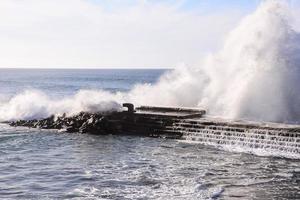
69,81
37,164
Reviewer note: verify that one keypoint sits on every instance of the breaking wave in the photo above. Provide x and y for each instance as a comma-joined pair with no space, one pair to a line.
35,105
256,75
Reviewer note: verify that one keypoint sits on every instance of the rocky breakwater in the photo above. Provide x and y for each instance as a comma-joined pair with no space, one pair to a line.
142,121
93,123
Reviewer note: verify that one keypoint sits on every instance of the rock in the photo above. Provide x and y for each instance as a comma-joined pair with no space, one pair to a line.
83,122
71,129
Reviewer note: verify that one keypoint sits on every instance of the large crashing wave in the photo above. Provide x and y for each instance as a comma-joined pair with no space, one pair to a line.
255,76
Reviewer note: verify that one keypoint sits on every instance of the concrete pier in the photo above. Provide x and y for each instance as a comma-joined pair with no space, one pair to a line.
188,124
193,125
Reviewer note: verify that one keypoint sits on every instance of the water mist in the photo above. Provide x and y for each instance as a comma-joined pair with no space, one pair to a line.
255,76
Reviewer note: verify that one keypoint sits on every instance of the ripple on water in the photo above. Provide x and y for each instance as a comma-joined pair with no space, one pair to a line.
48,164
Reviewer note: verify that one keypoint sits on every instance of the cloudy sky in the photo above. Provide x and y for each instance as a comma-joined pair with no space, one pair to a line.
115,33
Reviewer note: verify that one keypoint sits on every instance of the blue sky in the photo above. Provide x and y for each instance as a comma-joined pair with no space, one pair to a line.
198,5
116,33
185,5
217,4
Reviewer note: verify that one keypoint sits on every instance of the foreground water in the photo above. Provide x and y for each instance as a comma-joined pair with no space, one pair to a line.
37,164
46,164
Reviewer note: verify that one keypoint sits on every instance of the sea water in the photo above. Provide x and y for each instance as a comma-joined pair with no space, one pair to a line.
43,164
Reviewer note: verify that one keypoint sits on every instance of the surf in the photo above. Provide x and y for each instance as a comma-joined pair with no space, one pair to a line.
255,76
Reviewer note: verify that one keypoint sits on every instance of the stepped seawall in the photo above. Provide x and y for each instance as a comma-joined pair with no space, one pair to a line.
184,124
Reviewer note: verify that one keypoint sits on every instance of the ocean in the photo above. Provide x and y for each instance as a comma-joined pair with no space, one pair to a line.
48,164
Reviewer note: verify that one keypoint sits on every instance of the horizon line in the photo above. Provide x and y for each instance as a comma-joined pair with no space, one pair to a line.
88,68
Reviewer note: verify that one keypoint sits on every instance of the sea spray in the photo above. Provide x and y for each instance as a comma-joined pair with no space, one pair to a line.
255,76
36,105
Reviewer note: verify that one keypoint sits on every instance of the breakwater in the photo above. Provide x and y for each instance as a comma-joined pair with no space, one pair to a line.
179,123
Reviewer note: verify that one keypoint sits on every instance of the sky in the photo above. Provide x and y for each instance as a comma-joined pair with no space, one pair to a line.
115,33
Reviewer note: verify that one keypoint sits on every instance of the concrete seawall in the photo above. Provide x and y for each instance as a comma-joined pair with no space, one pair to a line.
192,125
244,135
185,124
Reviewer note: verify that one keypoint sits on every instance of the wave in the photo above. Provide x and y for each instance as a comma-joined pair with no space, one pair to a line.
33,104
254,76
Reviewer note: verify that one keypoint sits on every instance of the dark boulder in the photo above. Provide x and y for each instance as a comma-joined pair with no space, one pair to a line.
83,122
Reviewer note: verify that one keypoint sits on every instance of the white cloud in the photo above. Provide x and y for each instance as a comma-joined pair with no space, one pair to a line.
82,33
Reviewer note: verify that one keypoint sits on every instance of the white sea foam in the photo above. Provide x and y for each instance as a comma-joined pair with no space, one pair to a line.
256,75
35,104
